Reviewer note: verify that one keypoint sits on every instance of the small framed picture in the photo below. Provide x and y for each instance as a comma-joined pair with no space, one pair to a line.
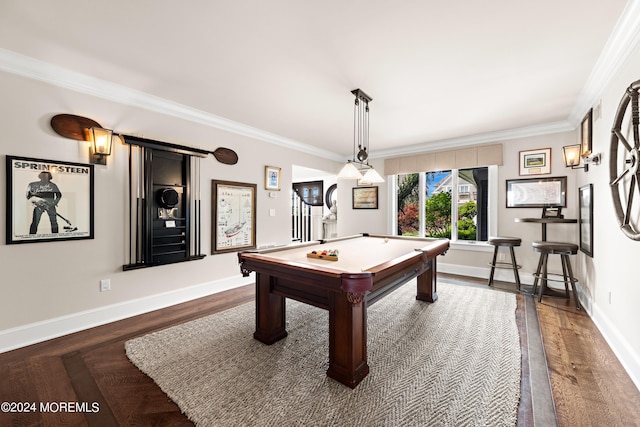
365,198
535,162
48,200
272,178
586,128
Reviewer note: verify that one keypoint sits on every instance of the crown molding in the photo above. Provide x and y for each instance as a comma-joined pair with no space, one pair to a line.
623,40
478,139
31,68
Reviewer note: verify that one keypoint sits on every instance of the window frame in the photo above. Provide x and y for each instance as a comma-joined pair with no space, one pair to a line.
492,206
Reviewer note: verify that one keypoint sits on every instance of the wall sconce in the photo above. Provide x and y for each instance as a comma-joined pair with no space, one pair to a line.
571,155
572,158
100,146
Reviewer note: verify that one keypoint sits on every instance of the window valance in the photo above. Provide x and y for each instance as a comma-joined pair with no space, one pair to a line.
468,157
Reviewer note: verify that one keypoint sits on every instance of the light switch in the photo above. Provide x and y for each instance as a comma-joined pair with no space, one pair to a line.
272,212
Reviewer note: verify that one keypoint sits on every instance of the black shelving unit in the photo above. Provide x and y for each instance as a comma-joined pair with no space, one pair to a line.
162,232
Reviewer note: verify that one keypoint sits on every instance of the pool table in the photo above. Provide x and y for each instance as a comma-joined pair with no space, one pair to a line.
368,268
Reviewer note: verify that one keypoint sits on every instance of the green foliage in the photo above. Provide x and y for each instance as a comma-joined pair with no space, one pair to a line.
468,210
466,226
440,232
466,229
438,215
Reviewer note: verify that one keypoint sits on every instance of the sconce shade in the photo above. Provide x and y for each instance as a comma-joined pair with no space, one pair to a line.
571,155
100,145
101,141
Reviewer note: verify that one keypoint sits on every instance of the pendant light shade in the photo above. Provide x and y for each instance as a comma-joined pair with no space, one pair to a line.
371,177
349,171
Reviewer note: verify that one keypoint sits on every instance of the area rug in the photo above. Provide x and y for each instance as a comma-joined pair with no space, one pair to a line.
455,362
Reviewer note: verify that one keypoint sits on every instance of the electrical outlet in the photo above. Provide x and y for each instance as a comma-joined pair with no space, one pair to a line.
105,285
502,257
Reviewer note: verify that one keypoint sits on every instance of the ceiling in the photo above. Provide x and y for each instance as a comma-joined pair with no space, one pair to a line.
438,72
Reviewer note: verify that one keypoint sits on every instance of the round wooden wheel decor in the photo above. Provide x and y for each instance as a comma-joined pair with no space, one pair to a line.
624,153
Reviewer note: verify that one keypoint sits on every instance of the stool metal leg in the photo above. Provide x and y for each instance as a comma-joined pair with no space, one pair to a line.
515,266
565,274
537,275
543,278
573,280
493,265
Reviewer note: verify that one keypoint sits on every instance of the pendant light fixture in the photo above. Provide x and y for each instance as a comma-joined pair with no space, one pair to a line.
359,164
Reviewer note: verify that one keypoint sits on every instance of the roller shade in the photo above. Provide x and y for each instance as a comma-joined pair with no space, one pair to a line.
468,157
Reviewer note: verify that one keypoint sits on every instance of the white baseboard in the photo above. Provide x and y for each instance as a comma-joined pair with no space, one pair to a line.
33,333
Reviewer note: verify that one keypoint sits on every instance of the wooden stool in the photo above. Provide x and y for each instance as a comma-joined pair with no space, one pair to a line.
541,274
509,242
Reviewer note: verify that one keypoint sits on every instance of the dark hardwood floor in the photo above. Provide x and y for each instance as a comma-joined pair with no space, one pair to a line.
90,368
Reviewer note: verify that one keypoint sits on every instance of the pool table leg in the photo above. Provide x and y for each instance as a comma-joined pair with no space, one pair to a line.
427,289
347,339
270,312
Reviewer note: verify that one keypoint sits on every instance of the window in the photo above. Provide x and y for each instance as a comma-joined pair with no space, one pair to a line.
452,204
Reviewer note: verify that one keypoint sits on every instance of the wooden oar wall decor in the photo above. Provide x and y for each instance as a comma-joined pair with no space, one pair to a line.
75,127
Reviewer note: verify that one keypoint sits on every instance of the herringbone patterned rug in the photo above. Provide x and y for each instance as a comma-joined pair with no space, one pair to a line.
452,363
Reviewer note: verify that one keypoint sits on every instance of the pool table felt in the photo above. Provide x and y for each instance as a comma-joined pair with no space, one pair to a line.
356,254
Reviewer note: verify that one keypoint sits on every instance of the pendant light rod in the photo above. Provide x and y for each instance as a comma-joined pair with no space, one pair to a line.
361,95
360,163
361,126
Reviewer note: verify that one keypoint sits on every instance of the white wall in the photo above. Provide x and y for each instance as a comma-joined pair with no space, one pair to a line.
611,283
53,287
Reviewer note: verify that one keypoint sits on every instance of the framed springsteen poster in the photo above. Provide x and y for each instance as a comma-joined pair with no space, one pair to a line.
48,200
234,216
